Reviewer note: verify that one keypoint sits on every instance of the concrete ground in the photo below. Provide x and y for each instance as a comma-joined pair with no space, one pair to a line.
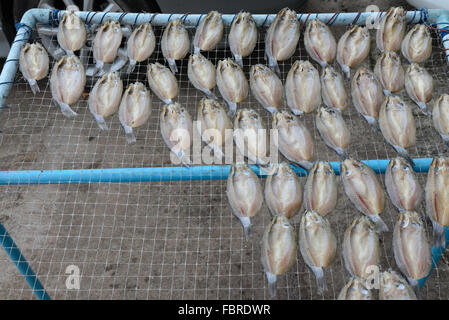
168,240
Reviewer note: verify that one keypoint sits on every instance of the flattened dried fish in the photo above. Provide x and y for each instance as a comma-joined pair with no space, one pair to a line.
394,287
333,89
333,130
355,289
320,191
283,191
209,32
303,88
201,73
417,44
243,36
135,109
320,42
72,33
106,43
162,82
353,48
391,30
34,64
317,244
244,194
140,45
419,86
175,43
266,87
364,190
390,73
440,115
278,250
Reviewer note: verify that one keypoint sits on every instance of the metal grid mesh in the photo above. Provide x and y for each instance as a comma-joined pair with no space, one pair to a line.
165,239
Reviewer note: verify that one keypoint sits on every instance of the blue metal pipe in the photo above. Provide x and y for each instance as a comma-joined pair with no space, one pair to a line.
19,260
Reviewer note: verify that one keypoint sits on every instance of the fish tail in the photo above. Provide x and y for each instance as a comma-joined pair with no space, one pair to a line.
297,112
172,65
246,223
404,154
439,236
33,85
372,121
210,94
271,284
423,107
66,110
98,66
232,109
100,121
130,137
238,60
342,153
320,279
272,110
387,92
131,66
346,70
196,49
379,223
273,64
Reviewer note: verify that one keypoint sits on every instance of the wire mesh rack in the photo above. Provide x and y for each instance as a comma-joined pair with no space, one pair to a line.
167,239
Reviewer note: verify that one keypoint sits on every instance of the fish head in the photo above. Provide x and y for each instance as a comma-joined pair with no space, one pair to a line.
329,73
312,220
287,15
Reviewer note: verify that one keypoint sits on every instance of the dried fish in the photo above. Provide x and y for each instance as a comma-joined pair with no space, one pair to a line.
283,191
209,32
398,125
72,33
243,36
244,194
281,38
320,42
34,64
278,250
391,30
175,43
367,95
106,43
201,73
176,129
361,247
355,289
440,115
105,97
417,44
162,82
353,48
303,88
232,83
419,86
294,139
333,130
213,122
317,244
402,185
410,247
320,191
140,45
437,194
333,89
389,71
266,87
364,190
250,136
394,287
67,83
135,109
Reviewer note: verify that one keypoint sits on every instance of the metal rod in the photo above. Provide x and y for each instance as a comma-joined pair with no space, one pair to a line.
19,260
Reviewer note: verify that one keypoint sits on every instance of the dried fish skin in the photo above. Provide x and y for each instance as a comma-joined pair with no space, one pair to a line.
320,191
105,98
361,247
243,36
395,287
106,43
303,88
162,82
209,32
212,116
389,71
440,115
333,89
283,191
34,64
410,247
140,45
417,44
419,86
317,244
294,141
319,42
266,87
353,47
201,73
279,249
175,43
355,289
397,125
250,136
367,95
364,190
245,195
402,185
232,83
72,33
67,83
134,109
391,30
282,38
437,193
176,130
333,130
